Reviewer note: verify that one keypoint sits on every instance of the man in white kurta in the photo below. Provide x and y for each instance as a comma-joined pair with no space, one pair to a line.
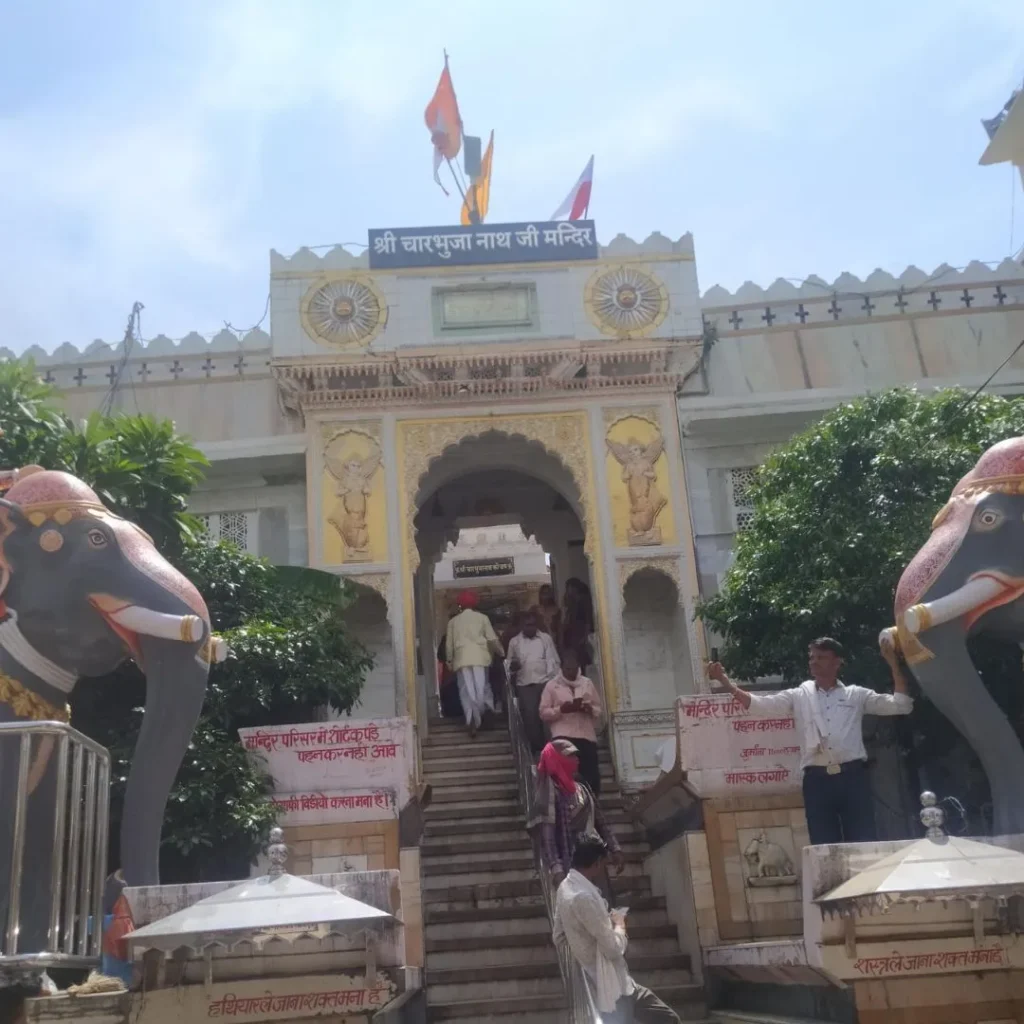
470,646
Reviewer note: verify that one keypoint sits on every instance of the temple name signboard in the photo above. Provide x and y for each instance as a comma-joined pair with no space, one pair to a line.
346,770
480,244
727,751
473,568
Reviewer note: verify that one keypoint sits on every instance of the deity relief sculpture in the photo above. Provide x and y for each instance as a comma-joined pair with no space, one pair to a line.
82,590
968,580
638,474
353,474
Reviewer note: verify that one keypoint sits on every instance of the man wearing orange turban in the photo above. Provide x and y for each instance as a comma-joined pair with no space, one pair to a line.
470,645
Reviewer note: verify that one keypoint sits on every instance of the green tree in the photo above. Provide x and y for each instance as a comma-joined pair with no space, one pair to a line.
290,653
839,511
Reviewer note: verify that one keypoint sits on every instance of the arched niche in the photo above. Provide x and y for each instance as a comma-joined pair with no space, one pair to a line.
655,639
367,619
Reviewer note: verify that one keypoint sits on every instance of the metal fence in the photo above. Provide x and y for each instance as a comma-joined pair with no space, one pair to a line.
582,1008
54,844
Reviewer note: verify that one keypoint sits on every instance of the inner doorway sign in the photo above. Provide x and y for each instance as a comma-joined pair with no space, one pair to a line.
472,568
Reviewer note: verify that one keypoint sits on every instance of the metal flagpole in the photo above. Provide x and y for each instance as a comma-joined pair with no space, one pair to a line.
474,217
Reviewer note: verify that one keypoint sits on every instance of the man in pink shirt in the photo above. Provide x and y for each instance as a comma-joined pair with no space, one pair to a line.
572,708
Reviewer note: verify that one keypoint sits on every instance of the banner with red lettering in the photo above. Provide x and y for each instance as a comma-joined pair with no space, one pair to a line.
345,770
726,750
339,996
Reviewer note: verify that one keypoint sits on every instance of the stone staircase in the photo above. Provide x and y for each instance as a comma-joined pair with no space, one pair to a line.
489,956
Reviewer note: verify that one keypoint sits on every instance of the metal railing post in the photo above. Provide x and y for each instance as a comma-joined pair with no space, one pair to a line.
79,796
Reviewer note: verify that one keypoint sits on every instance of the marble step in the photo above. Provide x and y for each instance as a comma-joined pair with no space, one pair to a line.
646,912
441,894
463,793
485,954
470,776
516,1010
508,946
442,761
439,856
663,974
485,867
450,823
500,982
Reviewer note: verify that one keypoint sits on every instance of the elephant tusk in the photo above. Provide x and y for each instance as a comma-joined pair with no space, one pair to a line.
973,594
219,649
187,628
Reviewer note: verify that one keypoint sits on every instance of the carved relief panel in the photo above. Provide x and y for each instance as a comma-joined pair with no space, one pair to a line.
639,487
353,499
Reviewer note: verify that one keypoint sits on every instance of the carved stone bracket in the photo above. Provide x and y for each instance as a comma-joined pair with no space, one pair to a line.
668,566
563,435
334,428
642,412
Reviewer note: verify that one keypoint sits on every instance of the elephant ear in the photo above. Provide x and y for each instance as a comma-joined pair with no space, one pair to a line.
11,519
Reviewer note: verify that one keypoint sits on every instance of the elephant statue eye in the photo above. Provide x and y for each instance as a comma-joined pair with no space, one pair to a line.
988,519
97,539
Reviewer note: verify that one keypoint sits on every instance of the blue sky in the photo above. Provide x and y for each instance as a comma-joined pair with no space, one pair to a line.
157,150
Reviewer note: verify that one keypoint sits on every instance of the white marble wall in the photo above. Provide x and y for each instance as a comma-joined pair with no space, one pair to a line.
788,353
280,508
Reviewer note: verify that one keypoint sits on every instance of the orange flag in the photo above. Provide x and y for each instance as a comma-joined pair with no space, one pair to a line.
444,122
478,197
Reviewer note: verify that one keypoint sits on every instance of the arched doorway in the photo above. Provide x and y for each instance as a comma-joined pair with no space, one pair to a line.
495,476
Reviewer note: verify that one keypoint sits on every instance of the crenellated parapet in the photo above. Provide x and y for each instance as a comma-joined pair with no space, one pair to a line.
193,359
815,302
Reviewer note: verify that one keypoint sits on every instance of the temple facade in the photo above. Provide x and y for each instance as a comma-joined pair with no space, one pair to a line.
523,374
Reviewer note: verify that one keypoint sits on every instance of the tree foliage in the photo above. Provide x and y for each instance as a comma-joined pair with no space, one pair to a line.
290,654
839,511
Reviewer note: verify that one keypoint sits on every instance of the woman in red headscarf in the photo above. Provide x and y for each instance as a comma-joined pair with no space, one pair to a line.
565,809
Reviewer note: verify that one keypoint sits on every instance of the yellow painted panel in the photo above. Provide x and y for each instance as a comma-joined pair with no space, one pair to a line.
640,489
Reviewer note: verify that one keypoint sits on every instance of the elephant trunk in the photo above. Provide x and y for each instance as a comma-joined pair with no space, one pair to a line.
953,684
175,688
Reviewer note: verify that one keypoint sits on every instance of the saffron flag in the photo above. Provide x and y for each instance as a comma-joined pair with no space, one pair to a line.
444,122
478,196
577,202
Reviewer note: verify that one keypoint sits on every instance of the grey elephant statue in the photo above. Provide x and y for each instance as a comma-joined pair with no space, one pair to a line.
968,579
81,590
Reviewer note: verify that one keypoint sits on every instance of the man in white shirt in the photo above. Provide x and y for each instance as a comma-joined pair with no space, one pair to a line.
597,940
828,717
532,662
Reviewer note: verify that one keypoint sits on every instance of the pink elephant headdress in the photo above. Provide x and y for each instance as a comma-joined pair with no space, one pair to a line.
1000,468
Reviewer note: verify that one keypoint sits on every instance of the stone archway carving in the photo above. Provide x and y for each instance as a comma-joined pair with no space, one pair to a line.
563,435
376,581
667,566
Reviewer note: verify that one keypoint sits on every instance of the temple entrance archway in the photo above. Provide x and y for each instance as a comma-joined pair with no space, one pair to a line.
531,470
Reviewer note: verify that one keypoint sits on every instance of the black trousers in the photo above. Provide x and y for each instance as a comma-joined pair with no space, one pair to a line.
590,766
529,709
839,807
642,1007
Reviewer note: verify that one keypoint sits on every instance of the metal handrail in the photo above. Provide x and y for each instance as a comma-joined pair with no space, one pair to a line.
78,832
582,1007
